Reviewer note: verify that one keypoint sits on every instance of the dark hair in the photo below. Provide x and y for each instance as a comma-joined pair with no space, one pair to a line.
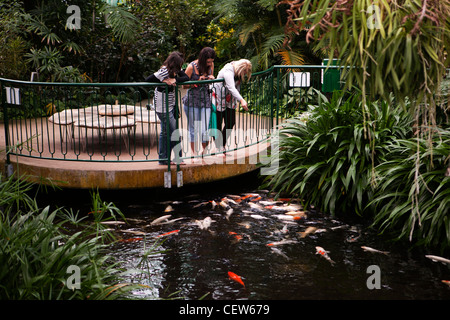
174,62
205,54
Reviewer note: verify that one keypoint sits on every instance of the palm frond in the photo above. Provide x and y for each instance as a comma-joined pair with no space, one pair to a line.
125,25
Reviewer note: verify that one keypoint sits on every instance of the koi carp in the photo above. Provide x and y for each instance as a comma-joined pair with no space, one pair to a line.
168,233
229,213
131,240
205,223
279,243
160,219
309,230
112,222
447,282
437,258
369,249
324,253
233,276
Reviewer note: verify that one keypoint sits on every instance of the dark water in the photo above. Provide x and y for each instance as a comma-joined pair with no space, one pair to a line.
195,263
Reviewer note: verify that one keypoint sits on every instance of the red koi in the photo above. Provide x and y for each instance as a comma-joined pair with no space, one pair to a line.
235,277
256,199
131,240
236,236
168,233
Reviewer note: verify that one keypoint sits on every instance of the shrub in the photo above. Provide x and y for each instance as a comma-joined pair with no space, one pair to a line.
36,251
414,192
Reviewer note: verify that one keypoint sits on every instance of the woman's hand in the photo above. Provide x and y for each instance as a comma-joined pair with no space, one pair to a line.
170,81
209,77
244,104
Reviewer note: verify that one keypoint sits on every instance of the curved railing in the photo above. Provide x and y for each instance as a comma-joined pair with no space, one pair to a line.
116,122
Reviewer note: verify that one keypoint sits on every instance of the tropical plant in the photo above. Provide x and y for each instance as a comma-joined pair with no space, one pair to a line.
416,202
259,27
391,46
328,161
36,252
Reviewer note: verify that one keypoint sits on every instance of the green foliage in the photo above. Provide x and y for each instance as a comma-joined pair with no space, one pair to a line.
398,48
36,251
328,160
414,190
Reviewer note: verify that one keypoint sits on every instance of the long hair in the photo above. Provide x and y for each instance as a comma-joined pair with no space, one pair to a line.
174,63
205,54
243,69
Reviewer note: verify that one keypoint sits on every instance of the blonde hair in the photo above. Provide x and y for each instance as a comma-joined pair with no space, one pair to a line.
242,69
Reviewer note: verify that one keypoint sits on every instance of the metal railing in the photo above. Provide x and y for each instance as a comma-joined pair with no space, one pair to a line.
117,122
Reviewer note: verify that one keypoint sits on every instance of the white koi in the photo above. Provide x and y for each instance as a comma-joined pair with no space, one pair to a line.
223,204
279,252
112,222
229,213
160,219
226,200
205,223
324,253
286,217
257,216
255,206
369,249
438,259
200,204
133,232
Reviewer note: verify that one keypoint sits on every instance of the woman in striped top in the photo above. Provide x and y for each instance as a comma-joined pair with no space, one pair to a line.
170,73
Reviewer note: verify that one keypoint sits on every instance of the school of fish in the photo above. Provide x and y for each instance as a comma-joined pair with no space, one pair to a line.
251,207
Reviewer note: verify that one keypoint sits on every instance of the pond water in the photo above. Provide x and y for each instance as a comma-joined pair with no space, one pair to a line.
251,237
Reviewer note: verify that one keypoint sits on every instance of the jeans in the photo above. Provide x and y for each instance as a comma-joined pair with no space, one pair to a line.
164,154
198,123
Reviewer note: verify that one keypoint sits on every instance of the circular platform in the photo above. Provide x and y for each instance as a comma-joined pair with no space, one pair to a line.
134,175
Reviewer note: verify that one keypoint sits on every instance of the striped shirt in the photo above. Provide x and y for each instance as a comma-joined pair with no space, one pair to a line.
160,97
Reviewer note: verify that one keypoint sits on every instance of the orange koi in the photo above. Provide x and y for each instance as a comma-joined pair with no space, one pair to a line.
235,277
256,199
447,282
168,233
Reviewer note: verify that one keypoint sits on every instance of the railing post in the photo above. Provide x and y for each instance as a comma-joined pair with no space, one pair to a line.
278,94
5,120
167,174
177,114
